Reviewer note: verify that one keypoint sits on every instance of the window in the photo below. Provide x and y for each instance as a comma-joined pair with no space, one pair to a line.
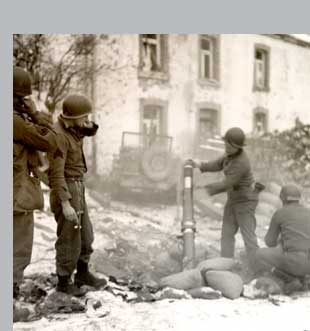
153,53
207,144
208,124
153,119
260,125
209,57
261,69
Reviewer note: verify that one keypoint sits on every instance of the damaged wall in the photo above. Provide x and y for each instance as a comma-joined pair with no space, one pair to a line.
121,89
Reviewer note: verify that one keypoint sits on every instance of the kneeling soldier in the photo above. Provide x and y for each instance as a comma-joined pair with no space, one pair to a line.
288,240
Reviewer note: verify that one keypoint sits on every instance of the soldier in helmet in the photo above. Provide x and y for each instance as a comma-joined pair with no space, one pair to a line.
242,198
31,133
67,198
288,240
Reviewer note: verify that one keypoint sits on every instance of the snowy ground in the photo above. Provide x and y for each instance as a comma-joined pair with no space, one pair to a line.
142,242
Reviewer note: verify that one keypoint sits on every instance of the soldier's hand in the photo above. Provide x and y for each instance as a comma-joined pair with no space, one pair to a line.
88,124
30,106
193,162
69,212
196,163
43,119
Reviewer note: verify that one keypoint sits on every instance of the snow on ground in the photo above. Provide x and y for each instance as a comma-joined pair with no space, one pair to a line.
141,242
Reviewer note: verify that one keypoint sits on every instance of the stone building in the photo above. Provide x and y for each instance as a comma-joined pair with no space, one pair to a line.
192,87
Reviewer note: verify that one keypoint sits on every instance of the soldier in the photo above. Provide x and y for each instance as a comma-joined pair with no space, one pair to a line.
288,240
67,198
242,198
31,133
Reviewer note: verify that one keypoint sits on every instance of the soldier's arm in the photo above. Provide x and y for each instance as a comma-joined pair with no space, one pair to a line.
232,178
212,166
272,235
32,135
56,171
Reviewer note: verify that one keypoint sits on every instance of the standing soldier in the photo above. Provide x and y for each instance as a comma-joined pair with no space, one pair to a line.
242,198
74,229
31,133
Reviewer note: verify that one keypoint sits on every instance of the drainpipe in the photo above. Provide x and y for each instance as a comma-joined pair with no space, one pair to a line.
188,222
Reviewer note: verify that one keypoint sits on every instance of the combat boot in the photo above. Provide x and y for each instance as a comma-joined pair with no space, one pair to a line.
65,285
292,286
84,277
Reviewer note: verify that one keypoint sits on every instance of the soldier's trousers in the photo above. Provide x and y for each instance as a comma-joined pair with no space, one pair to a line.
296,263
239,215
22,244
72,244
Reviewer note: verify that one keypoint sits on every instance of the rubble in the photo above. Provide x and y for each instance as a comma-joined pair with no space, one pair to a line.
146,234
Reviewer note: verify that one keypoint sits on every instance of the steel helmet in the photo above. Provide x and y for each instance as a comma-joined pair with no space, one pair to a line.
290,192
21,82
76,106
235,137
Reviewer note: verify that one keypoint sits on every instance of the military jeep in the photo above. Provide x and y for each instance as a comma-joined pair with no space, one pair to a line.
146,166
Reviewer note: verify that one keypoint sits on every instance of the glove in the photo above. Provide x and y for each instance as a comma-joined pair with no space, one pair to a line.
88,129
29,106
70,214
41,118
193,162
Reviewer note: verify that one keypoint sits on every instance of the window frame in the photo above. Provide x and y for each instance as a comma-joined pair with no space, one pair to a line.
215,107
266,62
145,102
162,56
214,59
265,112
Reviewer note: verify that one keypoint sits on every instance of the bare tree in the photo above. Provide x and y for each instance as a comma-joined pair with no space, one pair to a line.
55,76
28,53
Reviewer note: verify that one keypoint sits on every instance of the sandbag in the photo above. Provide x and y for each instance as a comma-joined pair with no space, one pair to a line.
218,263
228,283
183,280
204,293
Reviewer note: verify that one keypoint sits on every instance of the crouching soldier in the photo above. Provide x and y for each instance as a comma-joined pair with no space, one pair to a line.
67,198
32,132
288,241
242,198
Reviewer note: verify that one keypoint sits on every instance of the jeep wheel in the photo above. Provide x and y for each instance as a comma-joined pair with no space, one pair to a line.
157,164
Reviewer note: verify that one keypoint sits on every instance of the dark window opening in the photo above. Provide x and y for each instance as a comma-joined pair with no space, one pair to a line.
153,53
261,69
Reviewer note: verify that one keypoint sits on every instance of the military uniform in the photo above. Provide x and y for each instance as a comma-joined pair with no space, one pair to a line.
241,203
288,240
27,139
66,180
